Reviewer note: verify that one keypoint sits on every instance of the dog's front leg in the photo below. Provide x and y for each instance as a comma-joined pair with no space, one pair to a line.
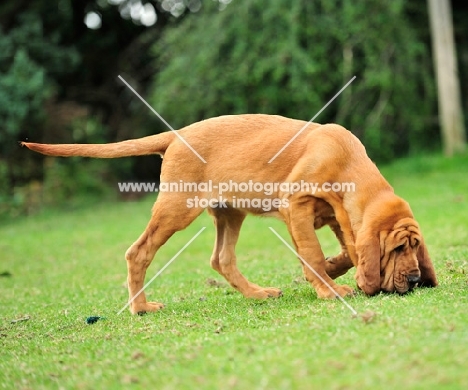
299,217
340,264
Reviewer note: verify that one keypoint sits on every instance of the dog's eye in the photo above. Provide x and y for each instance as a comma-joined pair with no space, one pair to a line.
399,249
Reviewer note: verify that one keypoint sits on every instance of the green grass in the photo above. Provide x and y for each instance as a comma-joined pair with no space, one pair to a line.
68,265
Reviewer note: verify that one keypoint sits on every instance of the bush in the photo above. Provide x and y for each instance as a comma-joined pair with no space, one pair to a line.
290,58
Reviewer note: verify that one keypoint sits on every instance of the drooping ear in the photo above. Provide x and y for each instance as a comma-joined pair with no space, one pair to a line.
428,276
368,268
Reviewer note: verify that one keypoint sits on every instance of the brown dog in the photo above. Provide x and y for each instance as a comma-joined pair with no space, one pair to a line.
376,229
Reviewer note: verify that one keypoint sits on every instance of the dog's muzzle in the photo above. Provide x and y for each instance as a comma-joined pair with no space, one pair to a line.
413,280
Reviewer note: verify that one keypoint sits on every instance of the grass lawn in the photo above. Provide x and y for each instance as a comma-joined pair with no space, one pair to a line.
63,266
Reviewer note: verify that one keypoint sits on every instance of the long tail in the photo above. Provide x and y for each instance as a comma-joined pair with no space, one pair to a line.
153,144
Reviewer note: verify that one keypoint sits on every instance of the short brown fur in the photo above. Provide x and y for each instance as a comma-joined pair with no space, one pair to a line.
376,229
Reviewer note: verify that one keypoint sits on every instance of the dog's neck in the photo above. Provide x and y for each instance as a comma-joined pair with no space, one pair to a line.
381,213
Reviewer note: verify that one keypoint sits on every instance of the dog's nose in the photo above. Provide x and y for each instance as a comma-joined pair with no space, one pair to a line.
413,280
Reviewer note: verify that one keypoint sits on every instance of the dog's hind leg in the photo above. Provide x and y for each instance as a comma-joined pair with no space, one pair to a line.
219,239
169,215
228,223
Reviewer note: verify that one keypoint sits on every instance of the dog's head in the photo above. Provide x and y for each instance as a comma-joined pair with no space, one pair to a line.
392,255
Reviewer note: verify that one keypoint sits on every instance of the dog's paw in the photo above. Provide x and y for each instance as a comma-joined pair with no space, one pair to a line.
338,265
264,293
325,293
332,266
347,291
142,308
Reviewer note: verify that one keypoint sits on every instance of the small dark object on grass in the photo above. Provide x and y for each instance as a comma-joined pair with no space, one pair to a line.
94,319
214,283
367,317
6,274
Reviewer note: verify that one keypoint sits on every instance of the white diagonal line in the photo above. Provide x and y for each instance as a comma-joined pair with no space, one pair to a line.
164,121
315,273
161,270
308,123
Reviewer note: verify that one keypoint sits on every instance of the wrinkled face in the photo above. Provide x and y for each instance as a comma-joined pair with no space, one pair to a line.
399,270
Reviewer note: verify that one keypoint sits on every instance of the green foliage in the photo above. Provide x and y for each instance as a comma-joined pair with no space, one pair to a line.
62,267
27,58
64,181
51,72
77,177
22,95
65,184
290,58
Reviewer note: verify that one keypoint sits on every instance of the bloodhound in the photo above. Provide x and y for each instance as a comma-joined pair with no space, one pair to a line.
377,231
